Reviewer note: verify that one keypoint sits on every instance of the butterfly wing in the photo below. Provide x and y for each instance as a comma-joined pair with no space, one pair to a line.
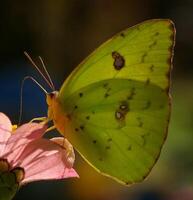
118,101
143,52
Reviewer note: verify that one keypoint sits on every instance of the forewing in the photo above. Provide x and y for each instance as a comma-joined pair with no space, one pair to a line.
142,53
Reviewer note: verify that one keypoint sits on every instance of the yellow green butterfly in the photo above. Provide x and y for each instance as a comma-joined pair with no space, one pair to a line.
115,106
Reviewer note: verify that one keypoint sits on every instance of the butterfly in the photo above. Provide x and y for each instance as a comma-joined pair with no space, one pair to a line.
115,106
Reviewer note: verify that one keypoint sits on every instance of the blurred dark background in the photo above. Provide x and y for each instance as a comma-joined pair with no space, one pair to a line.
65,32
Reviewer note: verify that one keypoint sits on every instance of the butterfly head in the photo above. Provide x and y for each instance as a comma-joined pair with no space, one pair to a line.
55,111
51,97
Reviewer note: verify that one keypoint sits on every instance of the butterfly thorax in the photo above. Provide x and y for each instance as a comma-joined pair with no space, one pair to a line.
55,111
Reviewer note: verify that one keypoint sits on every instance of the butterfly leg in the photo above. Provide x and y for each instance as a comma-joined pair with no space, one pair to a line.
50,128
41,119
69,151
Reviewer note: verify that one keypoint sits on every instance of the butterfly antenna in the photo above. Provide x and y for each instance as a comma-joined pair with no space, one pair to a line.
21,94
37,68
46,72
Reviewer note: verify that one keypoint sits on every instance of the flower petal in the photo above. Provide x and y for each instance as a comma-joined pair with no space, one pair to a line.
20,138
42,159
5,131
5,122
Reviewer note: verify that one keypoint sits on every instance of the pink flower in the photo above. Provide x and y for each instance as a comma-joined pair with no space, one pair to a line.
30,157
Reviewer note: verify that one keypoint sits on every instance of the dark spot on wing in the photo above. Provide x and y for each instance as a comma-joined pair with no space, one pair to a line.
75,107
124,107
109,140
105,85
106,95
121,112
82,127
148,104
143,57
119,115
108,89
80,94
153,44
141,124
156,34
147,82
144,138
122,35
94,141
132,93
76,129
119,60
107,147
129,148
88,117
151,68
126,183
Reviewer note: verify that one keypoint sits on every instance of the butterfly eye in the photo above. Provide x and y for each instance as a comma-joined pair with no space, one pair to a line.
51,96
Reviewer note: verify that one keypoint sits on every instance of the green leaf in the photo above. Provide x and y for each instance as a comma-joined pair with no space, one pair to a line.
8,186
